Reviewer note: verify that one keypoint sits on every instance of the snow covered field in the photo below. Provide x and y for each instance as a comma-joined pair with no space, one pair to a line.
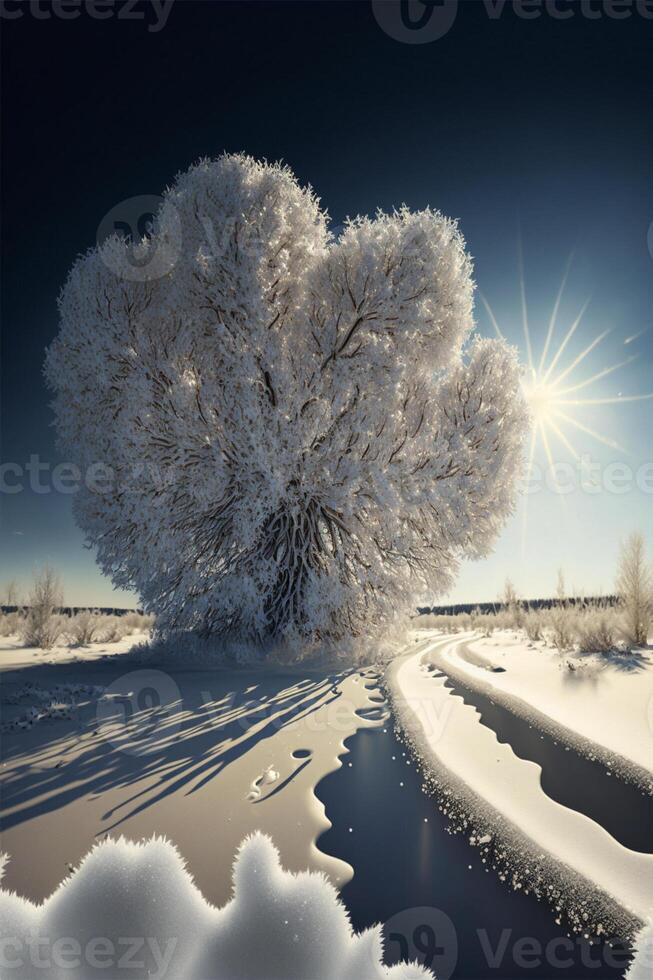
504,790
606,699
204,757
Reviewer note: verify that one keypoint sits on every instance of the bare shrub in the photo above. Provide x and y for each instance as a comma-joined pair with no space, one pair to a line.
562,618
478,621
485,623
138,622
44,632
563,628
434,621
82,628
512,606
635,590
597,630
111,629
41,627
533,625
11,624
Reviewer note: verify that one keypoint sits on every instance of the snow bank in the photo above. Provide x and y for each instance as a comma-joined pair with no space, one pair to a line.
642,966
581,864
607,700
133,910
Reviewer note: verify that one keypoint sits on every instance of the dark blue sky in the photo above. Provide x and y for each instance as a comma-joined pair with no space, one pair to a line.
543,124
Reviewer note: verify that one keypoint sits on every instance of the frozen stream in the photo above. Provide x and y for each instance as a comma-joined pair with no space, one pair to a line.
440,903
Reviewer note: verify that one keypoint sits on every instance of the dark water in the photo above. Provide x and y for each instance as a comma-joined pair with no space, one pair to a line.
569,778
414,876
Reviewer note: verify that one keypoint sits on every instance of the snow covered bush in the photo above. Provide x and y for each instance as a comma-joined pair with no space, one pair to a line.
295,434
138,622
111,629
533,621
562,621
596,629
83,627
136,902
642,966
42,626
635,590
512,606
11,623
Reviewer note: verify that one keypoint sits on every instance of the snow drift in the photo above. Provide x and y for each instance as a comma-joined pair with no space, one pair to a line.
133,910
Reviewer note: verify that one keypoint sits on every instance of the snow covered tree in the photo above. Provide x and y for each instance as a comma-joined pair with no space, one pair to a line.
635,590
298,434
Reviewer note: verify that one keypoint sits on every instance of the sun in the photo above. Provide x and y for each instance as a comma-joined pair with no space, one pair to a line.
541,398
552,388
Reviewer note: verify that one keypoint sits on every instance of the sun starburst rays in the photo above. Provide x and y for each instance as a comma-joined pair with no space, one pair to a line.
551,407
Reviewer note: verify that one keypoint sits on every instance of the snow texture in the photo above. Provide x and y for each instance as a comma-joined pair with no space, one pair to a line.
53,704
642,966
138,902
505,790
535,681
282,434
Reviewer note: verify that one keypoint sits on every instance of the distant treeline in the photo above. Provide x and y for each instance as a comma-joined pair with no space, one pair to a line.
73,610
486,608
454,610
